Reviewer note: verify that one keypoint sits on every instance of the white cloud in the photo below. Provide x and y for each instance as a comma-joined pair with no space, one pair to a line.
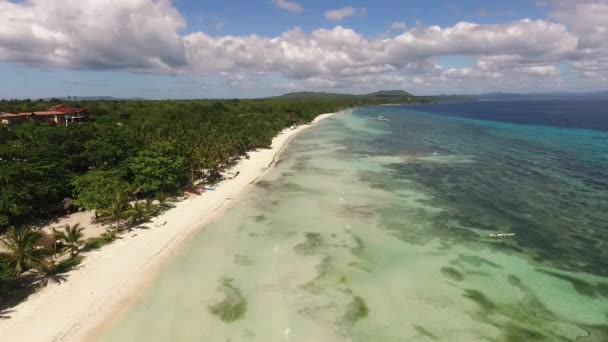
539,70
588,20
146,36
340,13
133,34
399,26
341,57
289,6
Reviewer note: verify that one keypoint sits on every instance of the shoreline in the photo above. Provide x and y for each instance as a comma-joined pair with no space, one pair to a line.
111,279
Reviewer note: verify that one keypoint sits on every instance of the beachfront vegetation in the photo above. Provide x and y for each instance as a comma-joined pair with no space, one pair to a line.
71,236
119,209
8,276
97,188
22,251
100,241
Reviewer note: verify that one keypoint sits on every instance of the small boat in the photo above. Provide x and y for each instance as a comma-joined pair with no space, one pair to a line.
382,118
501,235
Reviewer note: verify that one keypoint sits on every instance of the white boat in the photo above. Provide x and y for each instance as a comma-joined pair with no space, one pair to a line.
501,235
382,118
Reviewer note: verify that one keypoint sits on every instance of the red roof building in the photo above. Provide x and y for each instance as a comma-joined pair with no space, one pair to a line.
72,115
64,109
9,119
56,115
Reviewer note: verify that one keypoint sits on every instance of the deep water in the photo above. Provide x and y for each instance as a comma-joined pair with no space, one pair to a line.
371,230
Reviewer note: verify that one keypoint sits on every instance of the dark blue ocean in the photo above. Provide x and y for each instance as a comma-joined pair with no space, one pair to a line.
572,112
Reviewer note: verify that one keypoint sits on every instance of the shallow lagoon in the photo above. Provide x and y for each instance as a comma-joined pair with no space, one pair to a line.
376,231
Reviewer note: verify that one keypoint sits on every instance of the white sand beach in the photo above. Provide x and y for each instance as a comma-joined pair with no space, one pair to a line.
110,279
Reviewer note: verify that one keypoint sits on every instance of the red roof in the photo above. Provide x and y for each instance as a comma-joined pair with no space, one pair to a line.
64,109
8,115
46,113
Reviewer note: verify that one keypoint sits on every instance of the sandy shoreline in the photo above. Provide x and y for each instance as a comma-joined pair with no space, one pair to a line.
111,278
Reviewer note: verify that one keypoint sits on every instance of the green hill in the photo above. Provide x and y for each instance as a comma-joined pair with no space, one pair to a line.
322,95
390,93
314,95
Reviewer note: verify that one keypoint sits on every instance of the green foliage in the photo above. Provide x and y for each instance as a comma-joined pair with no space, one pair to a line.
162,198
119,209
33,183
22,251
97,188
71,236
143,211
98,242
151,208
157,169
68,264
8,275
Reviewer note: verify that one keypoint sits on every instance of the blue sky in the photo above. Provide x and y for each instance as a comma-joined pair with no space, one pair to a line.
263,18
204,49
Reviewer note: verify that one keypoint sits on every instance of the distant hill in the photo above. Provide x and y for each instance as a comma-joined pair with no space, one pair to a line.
101,98
390,93
323,95
313,95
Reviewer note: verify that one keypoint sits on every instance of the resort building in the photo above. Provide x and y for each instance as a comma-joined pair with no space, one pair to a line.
51,117
56,115
9,119
72,115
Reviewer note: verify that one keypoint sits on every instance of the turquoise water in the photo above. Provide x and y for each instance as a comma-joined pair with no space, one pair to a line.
369,230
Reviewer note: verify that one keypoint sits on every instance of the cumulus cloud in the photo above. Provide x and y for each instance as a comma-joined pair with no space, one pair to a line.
289,6
586,19
539,70
341,56
299,54
146,36
340,13
130,34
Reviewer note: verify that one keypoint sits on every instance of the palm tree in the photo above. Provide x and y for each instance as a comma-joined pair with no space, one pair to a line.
56,236
140,213
119,209
72,236
162,198
150,207
143,211
22,251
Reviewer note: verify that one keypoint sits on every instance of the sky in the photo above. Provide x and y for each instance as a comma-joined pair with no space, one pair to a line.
160,49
